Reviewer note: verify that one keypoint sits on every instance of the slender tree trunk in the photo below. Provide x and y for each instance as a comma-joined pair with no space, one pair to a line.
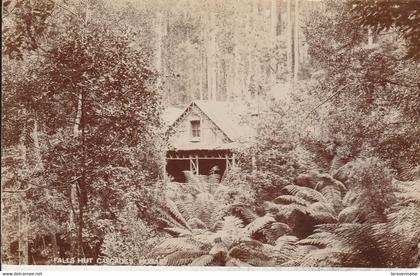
236,62
214,58
54,245
37,146
289,46
370,37
19,234
76,126
74,190
22,226
211,59
296,44
273,19
289,39
201,77
159,39
82,191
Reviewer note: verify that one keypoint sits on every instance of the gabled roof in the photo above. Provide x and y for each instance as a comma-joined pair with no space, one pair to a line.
170,114
227,116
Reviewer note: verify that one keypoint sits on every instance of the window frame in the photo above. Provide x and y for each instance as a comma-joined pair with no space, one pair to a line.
195,126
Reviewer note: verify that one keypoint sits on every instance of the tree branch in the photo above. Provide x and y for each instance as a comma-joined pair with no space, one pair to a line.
325,101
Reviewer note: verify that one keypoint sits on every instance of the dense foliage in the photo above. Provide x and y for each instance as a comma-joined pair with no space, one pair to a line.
331,178
81,122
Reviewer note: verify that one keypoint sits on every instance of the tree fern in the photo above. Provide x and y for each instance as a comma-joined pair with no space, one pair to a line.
258,224
174,212
180,258
349,214
305,193
288,199
203,260
284,248
285,211
171,245
274,231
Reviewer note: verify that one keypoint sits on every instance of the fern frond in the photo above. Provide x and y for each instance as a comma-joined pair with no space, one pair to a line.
336,164
326,257
196,223
332,194
251,252
276,230
218,247
406,220
284,210
168,219
328,180
409,171
258,224
171,245
185,208
305,193
349,214
350,197
183,257
243,212
299,255
319,239
287,199
285,248
286,239
203,260
322,212
409,191
176,231
174,212
229,223
205,206
192,179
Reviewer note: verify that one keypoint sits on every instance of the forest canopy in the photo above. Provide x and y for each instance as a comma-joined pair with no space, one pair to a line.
331,88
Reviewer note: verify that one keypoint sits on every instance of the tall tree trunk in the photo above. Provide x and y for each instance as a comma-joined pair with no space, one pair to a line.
158,44
201,77
296,44
81,188
54,245
370,37
289,45
236,62
211,59
74,194
22,225
37,147
273,19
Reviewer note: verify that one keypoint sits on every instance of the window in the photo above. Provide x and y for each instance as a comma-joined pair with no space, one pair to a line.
195,128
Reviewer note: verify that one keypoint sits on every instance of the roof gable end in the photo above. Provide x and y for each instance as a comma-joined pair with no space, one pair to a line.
189,109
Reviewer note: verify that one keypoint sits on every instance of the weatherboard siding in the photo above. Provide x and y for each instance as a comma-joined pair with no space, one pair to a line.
209,134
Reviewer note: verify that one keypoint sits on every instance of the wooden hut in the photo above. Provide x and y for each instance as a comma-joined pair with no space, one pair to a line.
203,138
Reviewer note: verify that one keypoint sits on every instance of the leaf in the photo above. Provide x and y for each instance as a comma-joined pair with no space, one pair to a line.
178,231
183,257
349,214
305,192
171,245
284,210
258,224
174,212
286,199
204,260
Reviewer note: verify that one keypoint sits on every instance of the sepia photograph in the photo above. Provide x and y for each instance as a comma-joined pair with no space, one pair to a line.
215,134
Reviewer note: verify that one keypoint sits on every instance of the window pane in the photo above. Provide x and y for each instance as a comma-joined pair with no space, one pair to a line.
195,128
